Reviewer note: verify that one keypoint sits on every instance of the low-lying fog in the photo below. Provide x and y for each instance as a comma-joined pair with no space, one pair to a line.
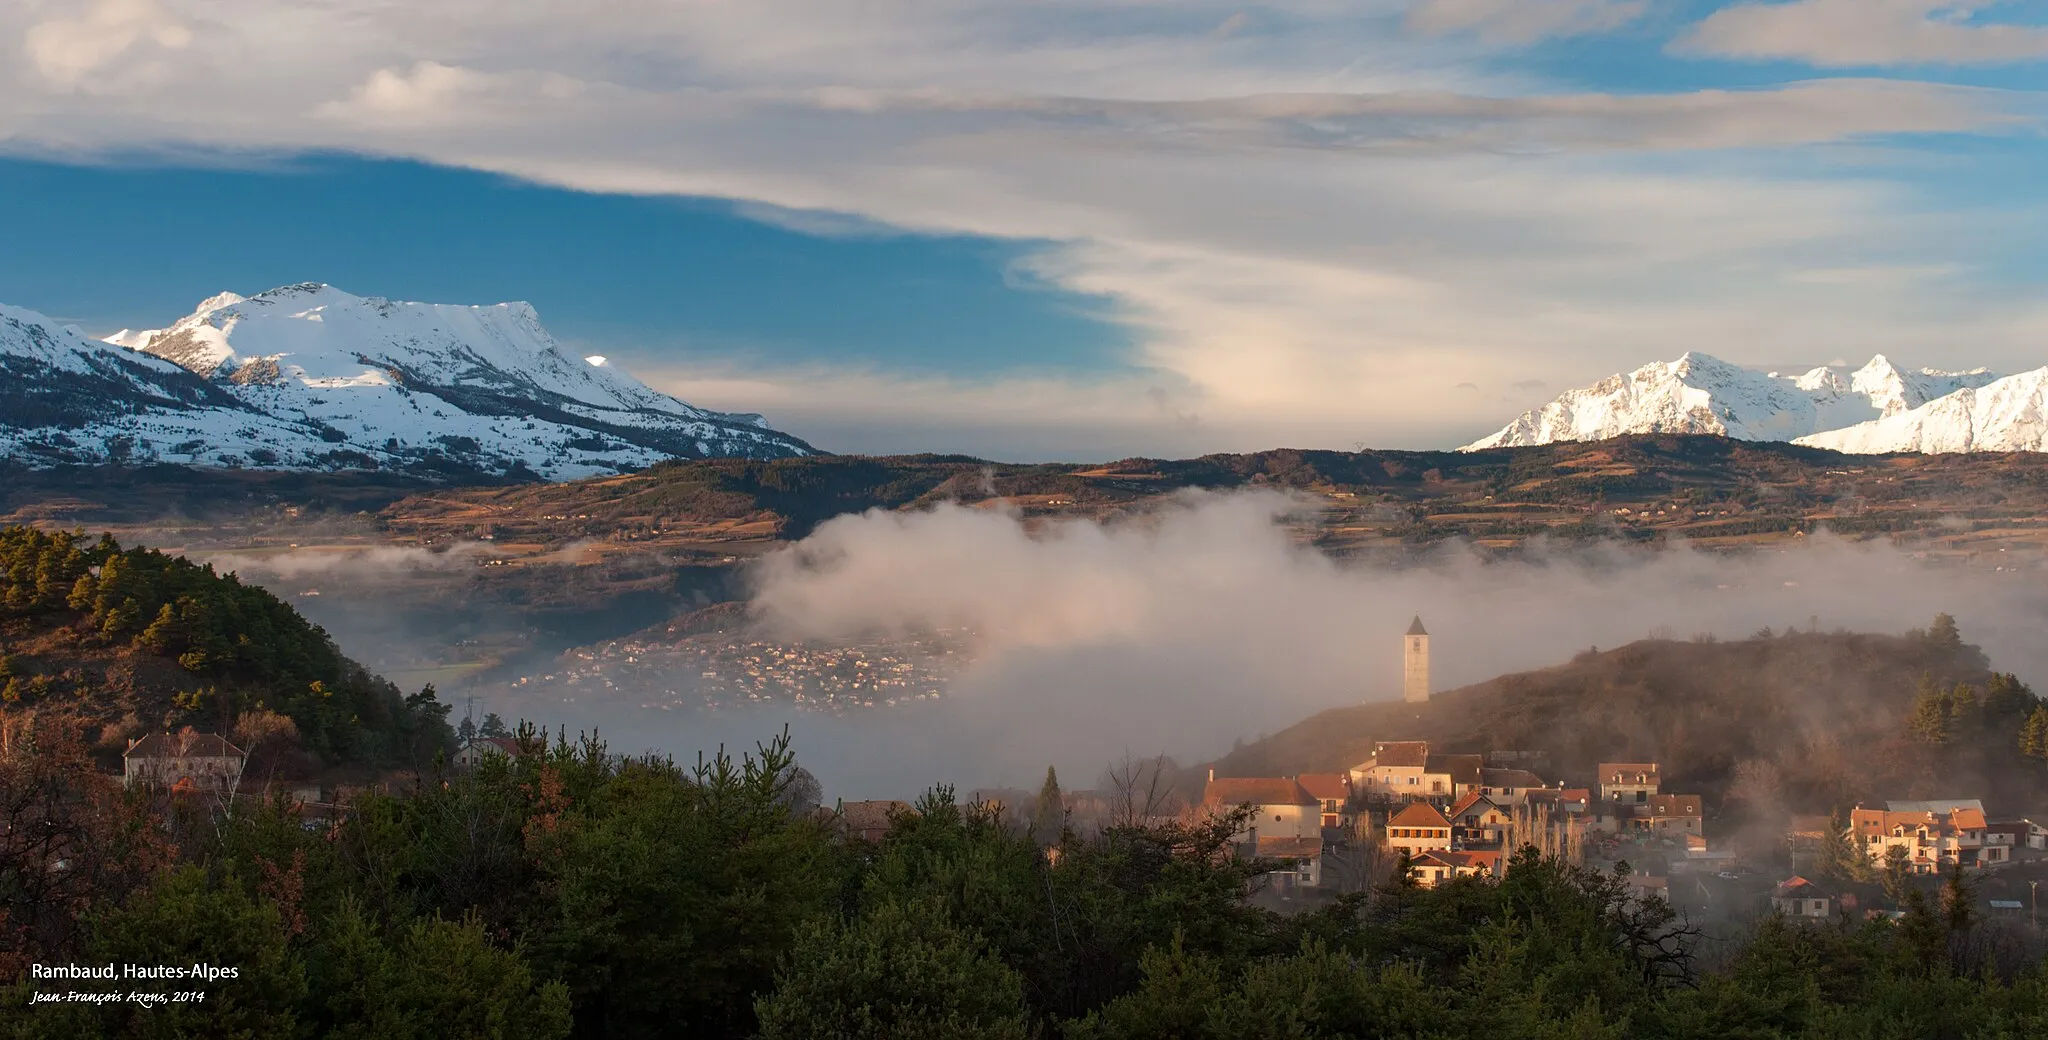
1206,622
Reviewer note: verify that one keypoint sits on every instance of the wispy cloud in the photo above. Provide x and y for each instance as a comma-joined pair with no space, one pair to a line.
1307,214
1523,21
1850,33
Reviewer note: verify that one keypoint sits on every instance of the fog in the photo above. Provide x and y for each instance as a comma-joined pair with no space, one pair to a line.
1206,621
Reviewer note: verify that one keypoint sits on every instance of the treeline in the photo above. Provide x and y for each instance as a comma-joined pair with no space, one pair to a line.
2000,720
240,647
573,893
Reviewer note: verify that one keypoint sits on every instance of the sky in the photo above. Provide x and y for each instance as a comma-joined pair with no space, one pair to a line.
1073,229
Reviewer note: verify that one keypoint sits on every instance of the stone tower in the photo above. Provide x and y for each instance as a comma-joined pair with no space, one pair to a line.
1415,663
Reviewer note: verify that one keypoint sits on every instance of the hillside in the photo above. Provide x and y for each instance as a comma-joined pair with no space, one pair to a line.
1827,717
308,377
122,642
1710,490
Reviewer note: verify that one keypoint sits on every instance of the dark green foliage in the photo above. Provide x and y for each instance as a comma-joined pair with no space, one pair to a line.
902,970
241,646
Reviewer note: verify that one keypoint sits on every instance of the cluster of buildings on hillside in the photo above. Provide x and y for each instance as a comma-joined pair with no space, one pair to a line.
720,671
1451,815
1918,838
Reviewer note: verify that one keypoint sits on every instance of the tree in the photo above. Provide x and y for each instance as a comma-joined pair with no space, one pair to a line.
438,979
1839,858
188,918
1897,874
1962,709
901,971
1049,816
493,726
801,792
466,732
1933,719
2034,734
1943,634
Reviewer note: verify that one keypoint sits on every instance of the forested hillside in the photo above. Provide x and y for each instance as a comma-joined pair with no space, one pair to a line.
1792,721
571,893
123,641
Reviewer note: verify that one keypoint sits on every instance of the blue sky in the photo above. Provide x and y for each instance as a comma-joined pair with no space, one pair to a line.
1078,229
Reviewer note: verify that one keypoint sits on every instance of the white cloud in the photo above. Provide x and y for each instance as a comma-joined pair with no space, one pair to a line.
1315,223
1842,33
1523,21
71,50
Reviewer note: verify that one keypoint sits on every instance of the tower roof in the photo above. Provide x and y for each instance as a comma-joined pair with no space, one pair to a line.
1416,629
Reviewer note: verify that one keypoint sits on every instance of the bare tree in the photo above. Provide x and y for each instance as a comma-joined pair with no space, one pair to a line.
1141,790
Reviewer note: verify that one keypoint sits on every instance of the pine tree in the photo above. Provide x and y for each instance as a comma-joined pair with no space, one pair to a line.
1050,816
1839,857
1943,634
2034,734
1962,709
1932,721
493,726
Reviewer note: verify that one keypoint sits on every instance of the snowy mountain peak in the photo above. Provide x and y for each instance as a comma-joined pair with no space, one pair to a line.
1700,393
2009,414
346,380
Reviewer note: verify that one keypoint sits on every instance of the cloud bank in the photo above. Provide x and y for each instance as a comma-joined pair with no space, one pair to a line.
1313,215
1207,622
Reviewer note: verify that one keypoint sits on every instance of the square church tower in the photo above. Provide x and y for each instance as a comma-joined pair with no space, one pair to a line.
1415,663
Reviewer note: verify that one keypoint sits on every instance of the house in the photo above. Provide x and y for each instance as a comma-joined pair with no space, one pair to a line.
187,760
1479,819
473,753
868,821
1395,768
1931,840
1333,790
1673,814
1628,783
1434,868
1417,829
1508,781
1305,859
1641,888
1281,808
1451,776
1800,897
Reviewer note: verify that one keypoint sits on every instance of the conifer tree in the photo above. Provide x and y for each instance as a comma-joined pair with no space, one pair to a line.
1962,709
2034,734
1932,721
1943,634
1049,816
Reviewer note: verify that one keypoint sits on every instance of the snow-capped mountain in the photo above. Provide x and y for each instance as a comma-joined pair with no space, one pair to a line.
2010,414
310,376
1703,394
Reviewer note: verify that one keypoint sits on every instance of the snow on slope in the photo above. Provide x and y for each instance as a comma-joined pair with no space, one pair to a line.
68,399
1703,394
485,387
2010,414
308,376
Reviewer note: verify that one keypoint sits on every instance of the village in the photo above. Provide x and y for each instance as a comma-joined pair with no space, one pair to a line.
1410,813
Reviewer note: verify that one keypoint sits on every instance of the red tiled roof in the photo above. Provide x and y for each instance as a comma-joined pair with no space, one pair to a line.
1465,803
1419,814
1510,778
1675,805
1625,772
1255,790
1576,794
1462,858
1290,848
1967,820
1404,753
187,743
1462,769
1325,785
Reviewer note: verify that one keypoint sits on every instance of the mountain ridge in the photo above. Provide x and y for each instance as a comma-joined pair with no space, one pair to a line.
1702,394
307,376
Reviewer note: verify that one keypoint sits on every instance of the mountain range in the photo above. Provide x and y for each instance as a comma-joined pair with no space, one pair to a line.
1876,409
310,377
